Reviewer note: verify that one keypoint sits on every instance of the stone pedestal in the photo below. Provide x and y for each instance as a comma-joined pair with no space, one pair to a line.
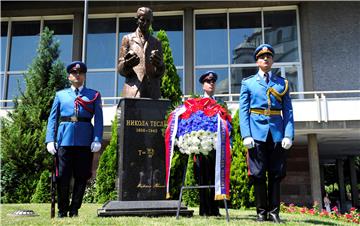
141,161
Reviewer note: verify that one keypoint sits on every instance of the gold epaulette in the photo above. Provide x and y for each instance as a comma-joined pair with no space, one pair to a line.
276,94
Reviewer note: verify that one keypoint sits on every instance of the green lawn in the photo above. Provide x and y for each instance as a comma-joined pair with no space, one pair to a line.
88,216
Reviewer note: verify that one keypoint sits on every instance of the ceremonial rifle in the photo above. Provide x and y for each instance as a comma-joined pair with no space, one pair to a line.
54,173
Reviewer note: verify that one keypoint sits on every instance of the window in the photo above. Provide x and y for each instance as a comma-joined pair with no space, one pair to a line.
246,29
4,28
14,81
24,41
283,23
101,45
245,36
24,38
211,39
104,82
101,56
63,33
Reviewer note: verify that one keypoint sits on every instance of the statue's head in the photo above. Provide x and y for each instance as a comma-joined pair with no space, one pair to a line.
144,17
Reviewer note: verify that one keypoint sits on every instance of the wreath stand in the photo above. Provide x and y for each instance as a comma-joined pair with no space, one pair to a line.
196,187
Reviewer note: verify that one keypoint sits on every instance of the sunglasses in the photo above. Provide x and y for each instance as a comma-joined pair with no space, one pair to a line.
210,80
76,72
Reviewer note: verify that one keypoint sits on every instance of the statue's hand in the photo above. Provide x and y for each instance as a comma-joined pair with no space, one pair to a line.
131,59
155,58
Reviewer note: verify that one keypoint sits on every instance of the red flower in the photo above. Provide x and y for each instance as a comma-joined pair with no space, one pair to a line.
303,210
335,209
209,106
311,211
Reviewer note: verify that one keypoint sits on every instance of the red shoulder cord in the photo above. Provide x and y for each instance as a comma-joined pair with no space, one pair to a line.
83,103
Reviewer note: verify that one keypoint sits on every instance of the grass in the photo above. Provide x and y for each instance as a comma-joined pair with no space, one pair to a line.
88,216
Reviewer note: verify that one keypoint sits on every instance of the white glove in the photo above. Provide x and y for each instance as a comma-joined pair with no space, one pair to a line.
95,146
286,143
249,142
51,147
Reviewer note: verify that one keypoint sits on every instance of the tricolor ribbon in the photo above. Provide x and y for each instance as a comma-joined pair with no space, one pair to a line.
223,153
222,161
170,134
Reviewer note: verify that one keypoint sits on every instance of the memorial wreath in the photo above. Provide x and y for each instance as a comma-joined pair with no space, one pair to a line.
199,126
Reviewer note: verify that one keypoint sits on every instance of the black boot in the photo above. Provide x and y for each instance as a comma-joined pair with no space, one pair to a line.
260,192
77,197
274,200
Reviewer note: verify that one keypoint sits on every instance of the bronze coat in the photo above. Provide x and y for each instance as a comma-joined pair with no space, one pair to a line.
143,80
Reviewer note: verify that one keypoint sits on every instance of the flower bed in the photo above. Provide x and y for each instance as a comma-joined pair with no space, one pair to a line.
352,216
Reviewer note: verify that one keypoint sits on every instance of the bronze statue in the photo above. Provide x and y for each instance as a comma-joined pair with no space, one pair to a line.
141,59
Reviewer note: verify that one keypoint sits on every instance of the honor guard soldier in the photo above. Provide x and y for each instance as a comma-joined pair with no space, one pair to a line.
205,165
208,81
267,127
73,138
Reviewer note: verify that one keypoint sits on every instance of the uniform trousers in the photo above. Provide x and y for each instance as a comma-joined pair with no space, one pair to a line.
205,175
73,161
266,168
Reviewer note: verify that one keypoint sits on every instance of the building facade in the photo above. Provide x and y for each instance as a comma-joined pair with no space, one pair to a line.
316,45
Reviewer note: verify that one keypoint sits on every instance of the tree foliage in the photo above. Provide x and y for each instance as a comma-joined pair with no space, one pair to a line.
107,169
23,155
170,82
42,193
191,196
242,193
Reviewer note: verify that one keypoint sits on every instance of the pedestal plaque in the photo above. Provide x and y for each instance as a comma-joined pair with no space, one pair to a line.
141,161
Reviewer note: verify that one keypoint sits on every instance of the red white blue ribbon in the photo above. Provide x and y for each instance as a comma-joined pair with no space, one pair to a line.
223,153
170,134
222,161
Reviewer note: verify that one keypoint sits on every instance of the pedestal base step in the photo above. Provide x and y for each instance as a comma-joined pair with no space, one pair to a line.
143,208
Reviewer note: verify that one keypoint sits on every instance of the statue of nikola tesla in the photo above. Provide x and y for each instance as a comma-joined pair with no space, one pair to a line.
141,59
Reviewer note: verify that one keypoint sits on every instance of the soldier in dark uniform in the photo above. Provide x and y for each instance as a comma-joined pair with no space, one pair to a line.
205,165
267,126
73,138
141,59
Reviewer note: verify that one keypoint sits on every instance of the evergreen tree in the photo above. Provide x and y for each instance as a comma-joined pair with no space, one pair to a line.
242,193
170,82
23,155
42,193
170,89
107,169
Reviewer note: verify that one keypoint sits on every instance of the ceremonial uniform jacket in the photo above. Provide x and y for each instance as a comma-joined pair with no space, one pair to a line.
143,80
257,94
75,133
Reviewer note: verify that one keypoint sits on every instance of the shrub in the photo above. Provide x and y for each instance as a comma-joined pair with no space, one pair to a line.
106,173
242,193
42,192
